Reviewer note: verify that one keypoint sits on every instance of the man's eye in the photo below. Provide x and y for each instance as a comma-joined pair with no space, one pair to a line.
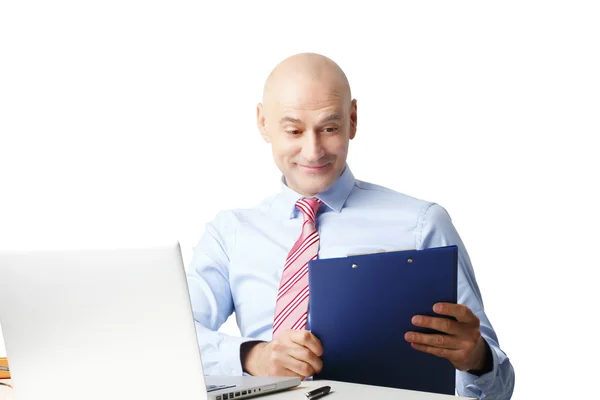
293,132
331,130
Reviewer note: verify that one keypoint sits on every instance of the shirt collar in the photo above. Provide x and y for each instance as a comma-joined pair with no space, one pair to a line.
334,197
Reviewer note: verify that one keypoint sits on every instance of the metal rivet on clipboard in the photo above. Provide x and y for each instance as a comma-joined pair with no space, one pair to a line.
354,266
410,260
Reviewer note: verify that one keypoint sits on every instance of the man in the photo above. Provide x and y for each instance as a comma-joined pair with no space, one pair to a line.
253,261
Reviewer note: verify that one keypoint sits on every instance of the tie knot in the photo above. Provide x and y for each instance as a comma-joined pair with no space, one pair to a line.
309,207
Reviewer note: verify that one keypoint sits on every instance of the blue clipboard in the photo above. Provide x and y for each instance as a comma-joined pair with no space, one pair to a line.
361,306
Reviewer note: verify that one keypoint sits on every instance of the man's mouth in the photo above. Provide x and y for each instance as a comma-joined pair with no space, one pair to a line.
314,168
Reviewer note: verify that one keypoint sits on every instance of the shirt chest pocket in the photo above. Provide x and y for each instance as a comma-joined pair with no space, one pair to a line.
349,249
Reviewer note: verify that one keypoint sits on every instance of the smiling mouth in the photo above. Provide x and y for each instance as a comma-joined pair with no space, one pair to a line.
314,167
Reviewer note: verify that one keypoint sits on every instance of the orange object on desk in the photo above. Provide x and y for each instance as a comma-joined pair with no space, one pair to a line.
4,363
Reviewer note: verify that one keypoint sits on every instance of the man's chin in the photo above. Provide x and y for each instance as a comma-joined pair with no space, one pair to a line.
314,186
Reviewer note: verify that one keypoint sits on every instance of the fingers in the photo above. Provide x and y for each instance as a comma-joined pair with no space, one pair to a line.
433,340
461,342
448,354
281,363
458,358
461,312
439,324
307,339
289,372
301,368
295,353
303,354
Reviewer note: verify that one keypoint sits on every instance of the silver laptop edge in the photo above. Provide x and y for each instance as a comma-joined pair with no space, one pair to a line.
107,323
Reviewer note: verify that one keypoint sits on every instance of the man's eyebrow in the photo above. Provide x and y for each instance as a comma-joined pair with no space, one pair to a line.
289,119
332,117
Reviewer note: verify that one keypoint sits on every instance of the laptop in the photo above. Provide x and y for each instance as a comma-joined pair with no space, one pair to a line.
108,324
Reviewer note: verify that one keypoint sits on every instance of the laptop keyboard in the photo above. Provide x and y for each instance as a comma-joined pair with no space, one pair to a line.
212,388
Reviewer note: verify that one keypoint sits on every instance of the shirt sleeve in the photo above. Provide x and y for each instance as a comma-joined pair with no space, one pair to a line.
436,230
211,298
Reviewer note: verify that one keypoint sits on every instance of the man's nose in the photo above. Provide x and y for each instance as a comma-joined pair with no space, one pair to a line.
312,148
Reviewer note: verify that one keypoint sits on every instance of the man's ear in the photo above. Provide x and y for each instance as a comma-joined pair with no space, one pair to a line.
353,119
262,123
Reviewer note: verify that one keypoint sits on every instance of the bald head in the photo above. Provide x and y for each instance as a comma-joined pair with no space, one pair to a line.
309,118
304,71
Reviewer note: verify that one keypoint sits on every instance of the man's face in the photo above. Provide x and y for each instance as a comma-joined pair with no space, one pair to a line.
309,128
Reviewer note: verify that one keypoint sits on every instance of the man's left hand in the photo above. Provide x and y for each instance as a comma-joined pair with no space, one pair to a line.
463,345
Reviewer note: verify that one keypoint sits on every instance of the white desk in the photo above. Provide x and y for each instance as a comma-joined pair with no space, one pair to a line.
351,391
339,390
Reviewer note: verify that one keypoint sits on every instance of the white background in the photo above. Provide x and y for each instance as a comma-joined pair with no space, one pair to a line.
122,119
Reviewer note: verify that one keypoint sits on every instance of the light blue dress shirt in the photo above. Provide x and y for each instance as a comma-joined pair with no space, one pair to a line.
237,266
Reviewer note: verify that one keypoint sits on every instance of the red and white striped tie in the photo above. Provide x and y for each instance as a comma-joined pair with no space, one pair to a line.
291,309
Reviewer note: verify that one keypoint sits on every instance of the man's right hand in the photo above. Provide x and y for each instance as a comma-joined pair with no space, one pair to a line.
290,353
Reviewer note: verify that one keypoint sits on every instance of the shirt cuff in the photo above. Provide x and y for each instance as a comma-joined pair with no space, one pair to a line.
479,386
231,363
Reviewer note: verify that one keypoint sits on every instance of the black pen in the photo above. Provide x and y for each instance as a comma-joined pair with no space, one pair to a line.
317,393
